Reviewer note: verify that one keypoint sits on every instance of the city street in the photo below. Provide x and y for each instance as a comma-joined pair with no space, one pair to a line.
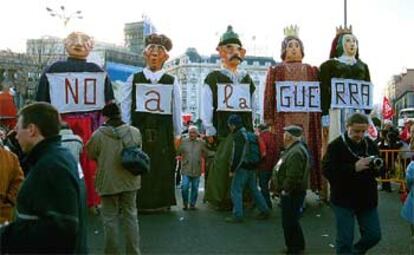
204,231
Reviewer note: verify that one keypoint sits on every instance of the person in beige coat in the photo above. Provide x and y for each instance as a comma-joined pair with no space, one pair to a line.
191,150
116,185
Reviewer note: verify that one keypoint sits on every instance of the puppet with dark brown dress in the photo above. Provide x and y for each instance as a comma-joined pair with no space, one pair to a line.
79,90
292,69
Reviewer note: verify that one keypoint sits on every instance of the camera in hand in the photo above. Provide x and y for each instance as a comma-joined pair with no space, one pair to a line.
376,163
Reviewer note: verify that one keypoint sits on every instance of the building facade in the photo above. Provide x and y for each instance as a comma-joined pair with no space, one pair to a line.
135,34
400,90
191,69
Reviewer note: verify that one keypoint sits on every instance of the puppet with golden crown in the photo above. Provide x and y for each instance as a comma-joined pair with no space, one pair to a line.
344,63
79,90
292,69
152,102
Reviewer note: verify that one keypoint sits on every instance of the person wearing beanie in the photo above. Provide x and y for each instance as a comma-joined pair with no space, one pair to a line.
291,175
292,69
79,90
225,90
151,101
116,185
243,174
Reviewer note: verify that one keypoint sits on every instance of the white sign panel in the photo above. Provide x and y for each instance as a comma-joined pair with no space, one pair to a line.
348,93
77,92
154,98
298,96
231,97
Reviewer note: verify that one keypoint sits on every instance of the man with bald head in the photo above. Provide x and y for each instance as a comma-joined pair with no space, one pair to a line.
79,90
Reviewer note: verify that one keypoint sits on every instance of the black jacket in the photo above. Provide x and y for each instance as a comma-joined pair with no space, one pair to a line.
350,189
51,205
238,146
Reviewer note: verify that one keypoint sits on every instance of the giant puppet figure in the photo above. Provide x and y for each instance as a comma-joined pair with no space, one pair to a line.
226,91
292,70
152,103
79,90
344,63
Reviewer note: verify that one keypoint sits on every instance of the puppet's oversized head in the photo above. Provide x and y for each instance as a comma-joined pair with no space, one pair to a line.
230,49
156,51
292,46
78,45
345,43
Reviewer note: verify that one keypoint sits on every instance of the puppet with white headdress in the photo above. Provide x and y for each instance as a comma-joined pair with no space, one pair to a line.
349,77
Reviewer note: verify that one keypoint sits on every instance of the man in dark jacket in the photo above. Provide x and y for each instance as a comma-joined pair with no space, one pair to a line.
51,204
243,174
351,174
292,172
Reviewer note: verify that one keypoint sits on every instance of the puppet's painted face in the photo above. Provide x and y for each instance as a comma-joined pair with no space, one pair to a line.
349,44
231,54
78,45
293,51
155,56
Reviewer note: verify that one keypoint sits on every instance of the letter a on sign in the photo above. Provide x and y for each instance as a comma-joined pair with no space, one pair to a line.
234,97
154,98
77,92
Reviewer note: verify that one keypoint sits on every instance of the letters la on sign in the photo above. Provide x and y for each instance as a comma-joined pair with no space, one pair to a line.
231,97
298,96
348,93
77,92
154,98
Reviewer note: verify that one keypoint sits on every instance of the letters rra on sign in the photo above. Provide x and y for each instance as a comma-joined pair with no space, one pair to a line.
298,96
348,93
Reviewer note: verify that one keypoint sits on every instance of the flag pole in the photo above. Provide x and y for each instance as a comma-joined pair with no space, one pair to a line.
345,13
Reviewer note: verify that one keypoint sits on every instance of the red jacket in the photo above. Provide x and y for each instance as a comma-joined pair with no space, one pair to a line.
271,158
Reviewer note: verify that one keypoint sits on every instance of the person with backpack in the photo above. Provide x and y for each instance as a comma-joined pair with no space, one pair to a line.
115,184
246,156
292,174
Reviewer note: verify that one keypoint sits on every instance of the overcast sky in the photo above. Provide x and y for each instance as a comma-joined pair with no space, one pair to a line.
384,28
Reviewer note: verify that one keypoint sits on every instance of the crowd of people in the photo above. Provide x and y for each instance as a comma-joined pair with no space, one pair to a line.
64,154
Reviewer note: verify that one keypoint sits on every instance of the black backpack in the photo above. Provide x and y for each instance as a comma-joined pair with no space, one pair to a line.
251,152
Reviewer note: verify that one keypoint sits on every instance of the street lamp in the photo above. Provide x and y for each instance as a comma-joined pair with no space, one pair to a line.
63,15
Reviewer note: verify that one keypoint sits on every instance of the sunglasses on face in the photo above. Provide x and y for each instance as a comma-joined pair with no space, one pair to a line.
155,47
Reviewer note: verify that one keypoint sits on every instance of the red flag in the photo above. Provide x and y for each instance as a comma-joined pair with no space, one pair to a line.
387,111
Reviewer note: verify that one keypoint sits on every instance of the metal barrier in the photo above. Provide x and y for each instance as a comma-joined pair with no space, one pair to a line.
395,164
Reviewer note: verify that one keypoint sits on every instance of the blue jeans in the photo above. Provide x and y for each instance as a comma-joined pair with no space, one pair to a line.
194,182
264,178
291,205
241,178
369,227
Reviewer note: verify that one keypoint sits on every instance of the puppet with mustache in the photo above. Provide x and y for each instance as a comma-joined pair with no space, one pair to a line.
237,86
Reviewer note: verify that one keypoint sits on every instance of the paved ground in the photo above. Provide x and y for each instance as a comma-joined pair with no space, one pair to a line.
205,232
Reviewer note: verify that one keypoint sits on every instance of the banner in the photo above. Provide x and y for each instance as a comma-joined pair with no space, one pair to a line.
77,92
387,111
298,96
231,97
154,98
348,93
